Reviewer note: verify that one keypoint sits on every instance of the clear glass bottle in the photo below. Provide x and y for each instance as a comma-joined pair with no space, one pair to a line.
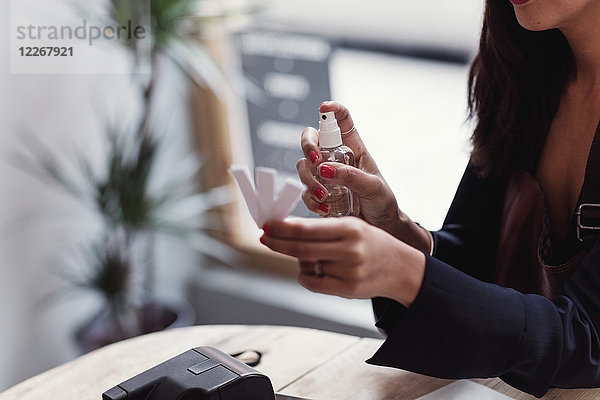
340,199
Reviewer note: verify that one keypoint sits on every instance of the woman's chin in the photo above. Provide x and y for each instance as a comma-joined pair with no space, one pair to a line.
532,24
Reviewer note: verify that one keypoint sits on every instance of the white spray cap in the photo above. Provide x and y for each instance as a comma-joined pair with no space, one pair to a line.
329,131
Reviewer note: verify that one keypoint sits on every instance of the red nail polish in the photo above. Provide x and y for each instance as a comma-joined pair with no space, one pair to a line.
266,229
313,156
324,207
327,171
319,193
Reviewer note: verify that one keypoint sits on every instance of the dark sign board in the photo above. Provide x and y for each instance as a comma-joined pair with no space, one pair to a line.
292,73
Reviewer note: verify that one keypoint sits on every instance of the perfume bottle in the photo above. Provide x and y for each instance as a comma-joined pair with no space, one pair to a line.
340,199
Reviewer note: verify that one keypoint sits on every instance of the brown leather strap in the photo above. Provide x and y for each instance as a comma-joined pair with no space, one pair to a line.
588,210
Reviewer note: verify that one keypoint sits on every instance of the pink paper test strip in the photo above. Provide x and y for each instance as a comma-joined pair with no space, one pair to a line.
262,202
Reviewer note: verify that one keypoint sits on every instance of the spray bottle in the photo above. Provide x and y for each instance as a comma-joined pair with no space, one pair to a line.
340,199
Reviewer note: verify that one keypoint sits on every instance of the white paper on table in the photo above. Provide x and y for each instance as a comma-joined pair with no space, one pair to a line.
464,390
261,200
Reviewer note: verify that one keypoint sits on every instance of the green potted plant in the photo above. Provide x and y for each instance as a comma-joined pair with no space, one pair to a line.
132,215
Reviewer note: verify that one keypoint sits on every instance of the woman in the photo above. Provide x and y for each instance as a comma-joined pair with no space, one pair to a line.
440,297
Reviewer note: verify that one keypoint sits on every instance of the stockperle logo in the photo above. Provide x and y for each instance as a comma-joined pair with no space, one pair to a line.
45,40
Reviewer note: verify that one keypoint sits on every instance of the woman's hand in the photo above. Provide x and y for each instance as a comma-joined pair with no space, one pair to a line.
378,204
357,260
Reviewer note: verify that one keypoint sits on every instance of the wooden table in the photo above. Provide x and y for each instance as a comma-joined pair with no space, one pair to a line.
299,361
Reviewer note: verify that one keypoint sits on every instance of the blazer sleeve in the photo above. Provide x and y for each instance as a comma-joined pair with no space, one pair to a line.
461,326
469,236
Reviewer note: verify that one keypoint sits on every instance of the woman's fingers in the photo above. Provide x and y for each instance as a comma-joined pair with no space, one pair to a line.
308,267
313,205
344,269
313,229
330,242
310,145
316,193
310,136
346,124
365,180
323,250
364,184
310,239
315,189
349,258
342,115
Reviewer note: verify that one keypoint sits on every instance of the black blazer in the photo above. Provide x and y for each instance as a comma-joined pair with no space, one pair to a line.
461,326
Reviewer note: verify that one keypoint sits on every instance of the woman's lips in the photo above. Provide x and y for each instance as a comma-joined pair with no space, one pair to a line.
518,2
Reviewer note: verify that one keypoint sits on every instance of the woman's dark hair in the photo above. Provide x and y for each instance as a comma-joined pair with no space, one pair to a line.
515,85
